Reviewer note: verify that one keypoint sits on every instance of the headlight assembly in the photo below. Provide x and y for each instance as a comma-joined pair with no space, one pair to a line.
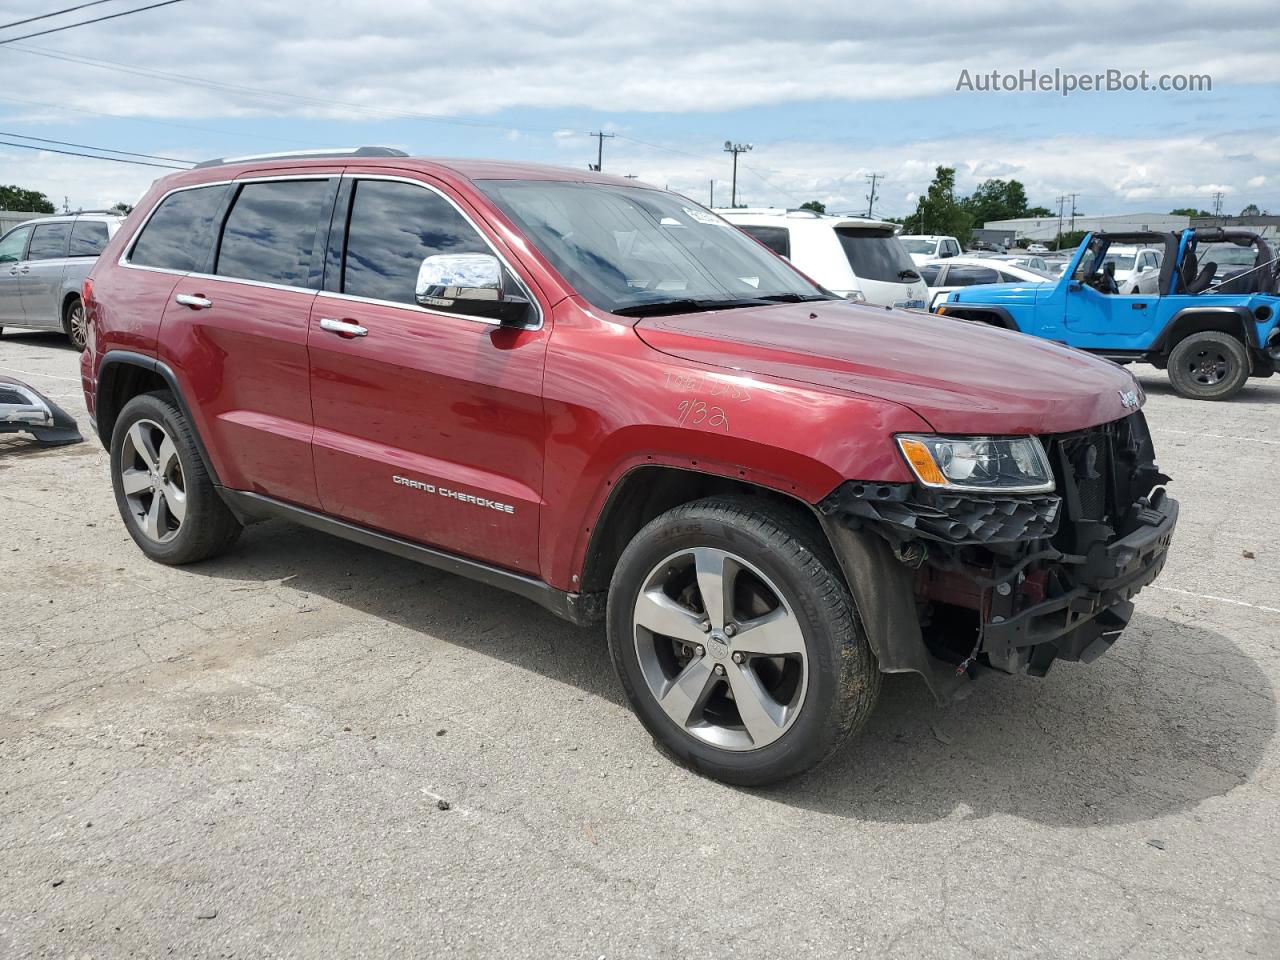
978,464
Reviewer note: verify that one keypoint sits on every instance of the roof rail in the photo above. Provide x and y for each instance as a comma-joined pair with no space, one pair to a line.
307,155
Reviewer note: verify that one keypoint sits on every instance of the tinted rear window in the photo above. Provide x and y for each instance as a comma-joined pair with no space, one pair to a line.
88,237
179,234
964,275
876,255
930,274
49,241
777,239
271,232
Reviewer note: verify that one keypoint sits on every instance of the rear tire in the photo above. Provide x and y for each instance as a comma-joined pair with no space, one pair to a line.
761,685
75,323
1211,365
168,503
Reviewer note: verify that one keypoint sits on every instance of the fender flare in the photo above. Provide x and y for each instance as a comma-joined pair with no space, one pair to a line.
112,362
955,312
1241,314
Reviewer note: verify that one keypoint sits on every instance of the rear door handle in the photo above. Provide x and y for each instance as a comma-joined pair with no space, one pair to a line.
25,269
193,301
343,328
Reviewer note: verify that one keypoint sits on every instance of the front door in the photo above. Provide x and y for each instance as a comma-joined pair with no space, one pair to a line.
428,424
13,256
1108,314
42,280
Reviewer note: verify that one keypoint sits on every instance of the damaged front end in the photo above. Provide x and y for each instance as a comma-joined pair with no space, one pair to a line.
24,409
948,581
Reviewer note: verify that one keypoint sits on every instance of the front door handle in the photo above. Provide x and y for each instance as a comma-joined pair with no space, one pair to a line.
194,301
25,269
343,328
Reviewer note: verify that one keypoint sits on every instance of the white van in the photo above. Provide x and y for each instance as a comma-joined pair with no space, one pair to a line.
854,257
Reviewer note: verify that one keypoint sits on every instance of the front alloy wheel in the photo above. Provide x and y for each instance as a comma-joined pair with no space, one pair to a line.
720,650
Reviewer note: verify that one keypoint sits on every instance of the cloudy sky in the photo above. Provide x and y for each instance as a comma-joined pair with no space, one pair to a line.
827,92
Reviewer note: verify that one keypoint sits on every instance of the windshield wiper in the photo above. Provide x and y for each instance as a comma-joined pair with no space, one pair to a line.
653,308
796,297
908,275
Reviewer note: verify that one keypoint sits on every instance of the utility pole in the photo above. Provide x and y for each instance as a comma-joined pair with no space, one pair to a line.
871,197
711,202
600,136
735,149
1061,201
1073,211
1217,204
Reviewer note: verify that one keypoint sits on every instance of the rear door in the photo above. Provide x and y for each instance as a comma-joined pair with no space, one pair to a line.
238,331
429,424
13,256
41,276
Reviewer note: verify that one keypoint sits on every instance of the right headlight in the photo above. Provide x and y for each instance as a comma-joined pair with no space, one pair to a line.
978,464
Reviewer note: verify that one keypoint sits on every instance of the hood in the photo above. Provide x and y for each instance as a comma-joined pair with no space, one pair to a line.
961,377
1019,293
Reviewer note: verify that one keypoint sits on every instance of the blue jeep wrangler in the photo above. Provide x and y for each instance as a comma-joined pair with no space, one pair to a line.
1211,337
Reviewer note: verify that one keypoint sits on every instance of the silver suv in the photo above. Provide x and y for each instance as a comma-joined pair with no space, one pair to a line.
43,264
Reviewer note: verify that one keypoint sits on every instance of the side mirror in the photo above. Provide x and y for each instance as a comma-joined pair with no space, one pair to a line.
468,283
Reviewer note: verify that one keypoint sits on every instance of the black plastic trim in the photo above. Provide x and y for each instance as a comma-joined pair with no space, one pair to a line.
955,311
573,607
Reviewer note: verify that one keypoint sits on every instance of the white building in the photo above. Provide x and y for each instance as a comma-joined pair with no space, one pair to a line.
1046,228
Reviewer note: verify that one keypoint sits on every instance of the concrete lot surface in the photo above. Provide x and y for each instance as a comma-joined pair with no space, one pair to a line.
246,758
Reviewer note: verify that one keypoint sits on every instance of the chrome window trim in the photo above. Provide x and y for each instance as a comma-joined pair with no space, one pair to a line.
520,281
125,254
123,260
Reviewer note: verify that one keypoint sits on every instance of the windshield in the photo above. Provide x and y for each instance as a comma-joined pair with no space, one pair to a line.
627,247
928,247
1123,261
876,255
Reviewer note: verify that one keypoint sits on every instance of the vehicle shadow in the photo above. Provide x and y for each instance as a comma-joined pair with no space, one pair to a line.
37,338
1174,715
1255,391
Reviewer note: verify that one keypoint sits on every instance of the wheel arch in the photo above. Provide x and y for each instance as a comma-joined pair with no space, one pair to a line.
1236,321
647,490
980,313
123,375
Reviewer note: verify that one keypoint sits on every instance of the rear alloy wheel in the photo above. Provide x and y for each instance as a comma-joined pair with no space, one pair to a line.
737,642
162,487
76,324
1211,365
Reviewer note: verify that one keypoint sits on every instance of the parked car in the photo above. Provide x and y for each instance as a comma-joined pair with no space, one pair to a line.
943,276
599,395
1137,269
1027,260
854,257
986,246
926,247
1055,264
1211,340
1037,248
43,263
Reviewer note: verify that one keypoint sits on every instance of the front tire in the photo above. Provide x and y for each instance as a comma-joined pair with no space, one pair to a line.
737,642
1209,366
163,490
75,323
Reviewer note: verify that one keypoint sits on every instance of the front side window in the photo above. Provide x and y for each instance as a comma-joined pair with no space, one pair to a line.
88,237
179,234
639,250
777,239
14,245
393,227
950,248
49,241
929,273
270,233
876,255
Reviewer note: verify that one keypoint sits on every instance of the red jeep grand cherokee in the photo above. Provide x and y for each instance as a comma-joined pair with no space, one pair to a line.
607,399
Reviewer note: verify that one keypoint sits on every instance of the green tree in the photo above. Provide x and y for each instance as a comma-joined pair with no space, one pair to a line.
1251,211
996,200
1070,240
1037,212
14,197
817,206
938,211
122,208
1189,212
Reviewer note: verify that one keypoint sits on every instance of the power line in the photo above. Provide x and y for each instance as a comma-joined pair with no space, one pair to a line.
85,23
85,146
72,153
56,13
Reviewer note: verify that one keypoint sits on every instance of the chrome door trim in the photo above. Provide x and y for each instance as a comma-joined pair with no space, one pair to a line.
344,327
